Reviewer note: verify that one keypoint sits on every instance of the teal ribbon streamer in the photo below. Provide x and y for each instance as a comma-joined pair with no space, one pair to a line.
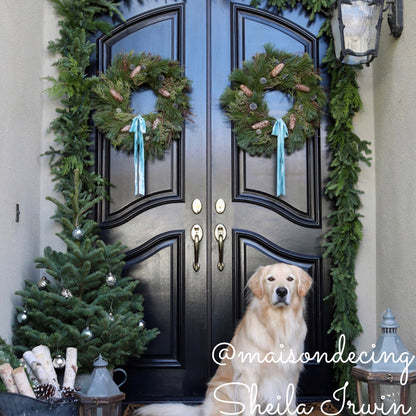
280,130
138,127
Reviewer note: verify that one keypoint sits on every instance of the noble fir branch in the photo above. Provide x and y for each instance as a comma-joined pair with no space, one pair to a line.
78,294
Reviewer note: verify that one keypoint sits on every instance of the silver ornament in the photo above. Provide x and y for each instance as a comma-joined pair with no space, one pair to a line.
22,317
118,110
263,80
161,78
77,233
142,324
110,317
132,67
175,105
110,279
59,362
253,106
258,131
43,282
87,333
66,293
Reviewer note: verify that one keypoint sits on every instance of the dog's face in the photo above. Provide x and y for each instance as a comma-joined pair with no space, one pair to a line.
280,283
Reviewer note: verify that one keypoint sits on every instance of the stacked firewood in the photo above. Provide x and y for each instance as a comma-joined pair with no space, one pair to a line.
37,377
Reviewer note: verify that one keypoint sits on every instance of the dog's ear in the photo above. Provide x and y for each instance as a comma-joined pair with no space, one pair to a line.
255,283
304,282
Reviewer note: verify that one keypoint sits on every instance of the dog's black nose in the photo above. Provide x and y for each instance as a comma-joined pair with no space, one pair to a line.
281,292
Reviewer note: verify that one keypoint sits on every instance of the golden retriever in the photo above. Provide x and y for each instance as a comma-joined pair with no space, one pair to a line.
258,373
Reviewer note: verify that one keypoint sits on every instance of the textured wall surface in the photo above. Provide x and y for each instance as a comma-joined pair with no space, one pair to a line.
395,141
21,37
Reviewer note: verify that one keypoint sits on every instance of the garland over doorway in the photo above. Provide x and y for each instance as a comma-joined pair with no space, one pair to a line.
343,240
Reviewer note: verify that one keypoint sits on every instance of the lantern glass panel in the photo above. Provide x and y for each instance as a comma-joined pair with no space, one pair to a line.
412,397
356,35
362,393
388,398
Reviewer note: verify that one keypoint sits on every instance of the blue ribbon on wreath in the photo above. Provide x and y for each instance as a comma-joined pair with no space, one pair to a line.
138,127
280,130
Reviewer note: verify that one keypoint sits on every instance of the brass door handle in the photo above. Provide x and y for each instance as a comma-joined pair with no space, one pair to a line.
196,235
220,234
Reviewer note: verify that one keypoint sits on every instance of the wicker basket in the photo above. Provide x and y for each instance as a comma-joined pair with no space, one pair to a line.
12,404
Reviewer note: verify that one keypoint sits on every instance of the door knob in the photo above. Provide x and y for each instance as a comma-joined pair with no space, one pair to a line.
220,234
196,234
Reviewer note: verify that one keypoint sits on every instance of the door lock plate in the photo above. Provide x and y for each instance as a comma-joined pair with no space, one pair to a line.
220,206
196,206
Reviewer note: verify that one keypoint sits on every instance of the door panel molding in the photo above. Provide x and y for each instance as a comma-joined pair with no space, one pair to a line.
262,248
164,34
305,209
157,264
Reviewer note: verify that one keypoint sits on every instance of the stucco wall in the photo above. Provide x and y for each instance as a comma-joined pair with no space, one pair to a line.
395,141
21,39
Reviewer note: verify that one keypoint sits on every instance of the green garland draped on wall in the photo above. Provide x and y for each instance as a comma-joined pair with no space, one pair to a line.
343,240
348,152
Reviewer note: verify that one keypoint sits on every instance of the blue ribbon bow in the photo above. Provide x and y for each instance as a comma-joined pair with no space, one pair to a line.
280,130
138,127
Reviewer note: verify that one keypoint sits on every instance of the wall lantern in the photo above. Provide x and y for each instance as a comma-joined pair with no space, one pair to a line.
356,26
383,385
100,396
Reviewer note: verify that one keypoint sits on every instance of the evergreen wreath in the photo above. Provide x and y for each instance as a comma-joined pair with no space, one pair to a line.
245,105
113,115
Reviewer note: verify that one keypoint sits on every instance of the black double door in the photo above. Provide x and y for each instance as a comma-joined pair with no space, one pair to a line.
195,310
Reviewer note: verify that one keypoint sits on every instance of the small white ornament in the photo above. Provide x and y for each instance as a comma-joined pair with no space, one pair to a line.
43,282
87,333
110,279
66,293
142,324
59,362
77,233
22,317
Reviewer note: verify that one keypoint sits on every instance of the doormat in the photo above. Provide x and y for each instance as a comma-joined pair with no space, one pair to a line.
328,409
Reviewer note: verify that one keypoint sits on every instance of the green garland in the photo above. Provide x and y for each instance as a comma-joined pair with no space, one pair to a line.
343,240
245,105
113,114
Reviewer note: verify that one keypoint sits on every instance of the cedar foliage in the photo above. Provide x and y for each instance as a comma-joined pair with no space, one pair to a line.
348,151
112,313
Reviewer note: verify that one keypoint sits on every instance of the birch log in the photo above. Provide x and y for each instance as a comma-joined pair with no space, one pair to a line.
71,367
22,382
43,354
6,375
40,372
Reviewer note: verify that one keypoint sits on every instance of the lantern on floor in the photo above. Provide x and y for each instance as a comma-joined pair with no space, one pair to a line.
356,27
385,376
100,396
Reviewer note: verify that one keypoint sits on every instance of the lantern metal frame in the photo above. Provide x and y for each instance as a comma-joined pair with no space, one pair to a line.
395,21
386,369
103,406
376,379
100,396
